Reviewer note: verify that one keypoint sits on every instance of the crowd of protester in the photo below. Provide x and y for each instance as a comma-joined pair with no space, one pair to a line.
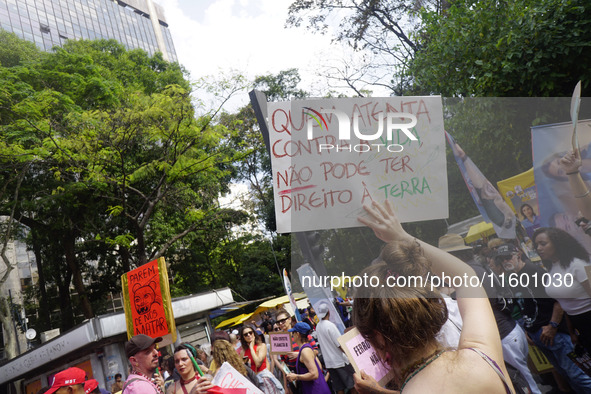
444,339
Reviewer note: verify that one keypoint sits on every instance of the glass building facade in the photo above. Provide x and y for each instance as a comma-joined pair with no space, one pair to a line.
48,23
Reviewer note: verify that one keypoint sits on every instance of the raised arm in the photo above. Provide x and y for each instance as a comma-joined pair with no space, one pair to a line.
479,328
571,164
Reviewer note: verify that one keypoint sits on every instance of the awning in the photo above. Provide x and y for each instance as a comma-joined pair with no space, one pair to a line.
301,304
479,230
233,321
275,302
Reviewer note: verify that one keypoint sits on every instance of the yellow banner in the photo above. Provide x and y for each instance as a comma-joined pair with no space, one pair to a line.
518,190
521,195
147,302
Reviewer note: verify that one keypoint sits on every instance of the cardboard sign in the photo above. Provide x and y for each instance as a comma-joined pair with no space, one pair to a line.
363,357
280,342
147,302
228,377
538,361
331,156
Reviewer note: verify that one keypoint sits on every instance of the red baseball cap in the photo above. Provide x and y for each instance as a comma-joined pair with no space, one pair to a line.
68,377
90,385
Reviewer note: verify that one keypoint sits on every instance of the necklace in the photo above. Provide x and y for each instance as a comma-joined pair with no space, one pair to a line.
189,380
417,367
148,379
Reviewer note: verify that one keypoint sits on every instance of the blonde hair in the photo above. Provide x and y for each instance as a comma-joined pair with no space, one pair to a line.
223,351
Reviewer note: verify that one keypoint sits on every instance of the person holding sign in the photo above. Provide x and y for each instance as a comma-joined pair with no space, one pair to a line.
184,365
223,351
401,322
308,371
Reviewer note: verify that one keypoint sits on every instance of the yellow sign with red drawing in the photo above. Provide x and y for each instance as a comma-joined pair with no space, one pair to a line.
147,302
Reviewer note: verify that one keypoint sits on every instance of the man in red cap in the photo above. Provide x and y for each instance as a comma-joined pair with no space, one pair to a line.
91,386
143,356
69,381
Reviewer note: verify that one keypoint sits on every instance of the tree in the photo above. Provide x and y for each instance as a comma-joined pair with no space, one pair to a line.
122,169
381,30
14,51
522,48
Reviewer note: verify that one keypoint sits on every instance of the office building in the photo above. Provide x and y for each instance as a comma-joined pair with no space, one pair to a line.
47,23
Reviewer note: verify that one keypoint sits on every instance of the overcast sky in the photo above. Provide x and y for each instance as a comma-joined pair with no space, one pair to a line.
215,36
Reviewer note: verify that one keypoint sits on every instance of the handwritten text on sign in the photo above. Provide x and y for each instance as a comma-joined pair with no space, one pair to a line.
330,157
364,357
280,342
147,308
229,378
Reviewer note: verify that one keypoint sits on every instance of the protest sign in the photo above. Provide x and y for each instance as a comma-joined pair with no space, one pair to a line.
537,361
489,202
147,303
521,195
280,342
558,205
363,357
331,156
318,295
228,377
289,293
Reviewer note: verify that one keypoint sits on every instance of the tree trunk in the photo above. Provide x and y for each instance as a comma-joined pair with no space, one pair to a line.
44,311
65,302
10,337
72,261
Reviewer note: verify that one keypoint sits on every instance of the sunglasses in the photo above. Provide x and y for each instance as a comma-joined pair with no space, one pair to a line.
248,333
283,320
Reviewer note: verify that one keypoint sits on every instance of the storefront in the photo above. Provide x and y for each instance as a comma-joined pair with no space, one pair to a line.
97,345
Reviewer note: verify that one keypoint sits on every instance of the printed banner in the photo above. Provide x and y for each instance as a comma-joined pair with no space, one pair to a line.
331,156
489,202
289,292
521,195
147,302
558,206
363,357
319,294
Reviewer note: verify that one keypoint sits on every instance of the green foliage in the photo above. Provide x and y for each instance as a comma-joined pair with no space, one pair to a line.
119,169
508,48
14,51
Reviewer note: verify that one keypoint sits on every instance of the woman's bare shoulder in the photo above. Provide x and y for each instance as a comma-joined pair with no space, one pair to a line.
462,371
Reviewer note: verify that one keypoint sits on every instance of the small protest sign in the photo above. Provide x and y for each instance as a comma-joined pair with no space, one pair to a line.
537,361
280,342
228,377
147,303
363,357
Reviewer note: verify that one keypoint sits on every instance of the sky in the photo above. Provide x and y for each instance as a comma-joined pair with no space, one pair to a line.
216,37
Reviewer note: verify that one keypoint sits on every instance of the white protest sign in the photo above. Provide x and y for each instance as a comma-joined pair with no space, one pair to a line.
228,377
331,156
363,357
